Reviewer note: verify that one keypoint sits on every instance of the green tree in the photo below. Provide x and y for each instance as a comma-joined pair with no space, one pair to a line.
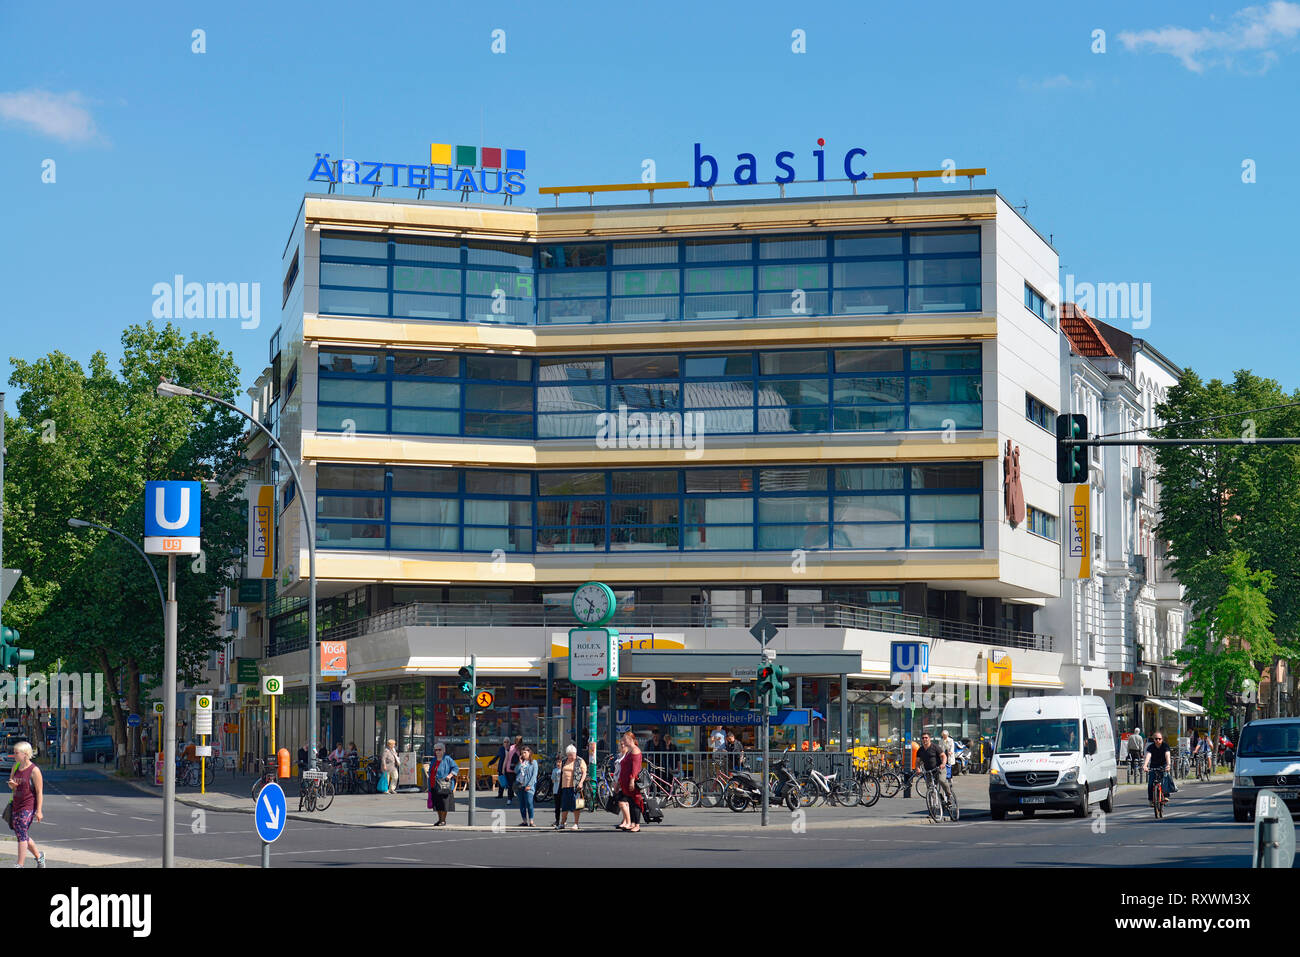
1217,501
1232,642
82,446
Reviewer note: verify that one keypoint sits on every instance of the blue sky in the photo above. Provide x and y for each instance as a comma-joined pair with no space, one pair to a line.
168,161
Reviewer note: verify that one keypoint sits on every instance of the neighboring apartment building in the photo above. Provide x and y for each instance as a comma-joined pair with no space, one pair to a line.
1128,618
463,384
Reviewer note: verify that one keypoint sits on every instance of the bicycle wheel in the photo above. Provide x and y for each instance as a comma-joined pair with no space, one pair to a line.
710,793
604,791
868,792
209,774
686,793
933,805
311,798
890,783
325,795
920,785
845,794
953,811
809,793
256,789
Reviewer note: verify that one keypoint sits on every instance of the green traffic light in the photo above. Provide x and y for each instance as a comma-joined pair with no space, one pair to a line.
466,680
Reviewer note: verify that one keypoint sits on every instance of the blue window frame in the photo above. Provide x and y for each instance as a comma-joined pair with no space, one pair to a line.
782,508
1040,523
1037,304
860,273
1040,413
877,388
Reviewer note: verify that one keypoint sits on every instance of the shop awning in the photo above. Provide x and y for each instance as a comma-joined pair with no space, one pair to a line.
1178,707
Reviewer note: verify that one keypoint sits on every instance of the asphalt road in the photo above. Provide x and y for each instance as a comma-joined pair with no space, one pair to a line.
93,821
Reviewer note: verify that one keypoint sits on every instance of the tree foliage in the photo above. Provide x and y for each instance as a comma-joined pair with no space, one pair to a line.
82,446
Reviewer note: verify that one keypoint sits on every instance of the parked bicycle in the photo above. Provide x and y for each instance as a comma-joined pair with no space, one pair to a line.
187,773
672,790
816,787
315,791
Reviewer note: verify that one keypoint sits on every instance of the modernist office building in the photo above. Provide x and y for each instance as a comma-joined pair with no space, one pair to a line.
839,376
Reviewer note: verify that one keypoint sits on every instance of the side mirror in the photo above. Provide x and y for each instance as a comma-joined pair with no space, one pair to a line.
1090,746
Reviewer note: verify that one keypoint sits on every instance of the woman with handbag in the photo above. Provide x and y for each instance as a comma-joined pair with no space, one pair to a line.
390,762
573,775
28,788
442,784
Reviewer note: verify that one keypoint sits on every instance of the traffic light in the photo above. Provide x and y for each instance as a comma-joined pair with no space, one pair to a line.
780,686
11,655
764,681
467,681
742,699
1071,460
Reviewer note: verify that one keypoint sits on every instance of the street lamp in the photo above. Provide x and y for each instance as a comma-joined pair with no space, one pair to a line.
171,389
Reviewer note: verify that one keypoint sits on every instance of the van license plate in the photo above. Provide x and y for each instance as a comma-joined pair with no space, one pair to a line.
1287,795
1037,800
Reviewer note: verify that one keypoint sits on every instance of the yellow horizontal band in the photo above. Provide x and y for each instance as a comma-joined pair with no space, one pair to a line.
611,188
928,173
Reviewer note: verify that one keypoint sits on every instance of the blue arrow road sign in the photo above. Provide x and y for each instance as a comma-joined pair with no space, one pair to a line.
133,721
271,812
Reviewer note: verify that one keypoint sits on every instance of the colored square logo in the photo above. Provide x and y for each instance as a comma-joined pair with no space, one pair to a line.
491,157
514,159
440,154
466,156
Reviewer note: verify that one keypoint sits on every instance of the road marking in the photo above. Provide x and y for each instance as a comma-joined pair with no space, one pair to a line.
413,860
147,820
98,830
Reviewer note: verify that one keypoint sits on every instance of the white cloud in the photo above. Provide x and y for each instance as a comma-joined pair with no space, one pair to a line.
1253,30
60,115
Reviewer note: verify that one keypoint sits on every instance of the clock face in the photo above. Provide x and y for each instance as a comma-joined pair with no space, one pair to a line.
593,603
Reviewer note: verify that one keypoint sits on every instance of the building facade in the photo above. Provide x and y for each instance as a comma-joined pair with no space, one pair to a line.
802,409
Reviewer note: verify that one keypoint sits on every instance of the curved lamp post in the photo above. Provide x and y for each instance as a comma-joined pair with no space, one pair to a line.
162,601
170,389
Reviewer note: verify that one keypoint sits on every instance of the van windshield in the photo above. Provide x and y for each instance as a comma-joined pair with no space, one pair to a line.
1041,734
1270,740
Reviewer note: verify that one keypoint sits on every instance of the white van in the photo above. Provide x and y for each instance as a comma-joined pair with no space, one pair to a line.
1053,753
1268,756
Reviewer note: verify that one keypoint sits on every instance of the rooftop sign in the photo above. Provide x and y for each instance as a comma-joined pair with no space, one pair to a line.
467,169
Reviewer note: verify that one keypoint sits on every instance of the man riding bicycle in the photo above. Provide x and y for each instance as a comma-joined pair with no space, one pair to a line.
932,757
1158,761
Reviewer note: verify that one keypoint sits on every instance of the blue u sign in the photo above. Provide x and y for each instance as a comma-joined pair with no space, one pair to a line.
908,658
172,512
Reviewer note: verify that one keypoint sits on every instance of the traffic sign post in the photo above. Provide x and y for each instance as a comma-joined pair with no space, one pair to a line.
270,816
273,687
203,728
1274,832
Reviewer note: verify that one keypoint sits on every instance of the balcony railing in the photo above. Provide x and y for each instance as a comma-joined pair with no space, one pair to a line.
667,616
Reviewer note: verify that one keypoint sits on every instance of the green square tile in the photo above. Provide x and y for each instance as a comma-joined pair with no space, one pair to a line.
466,156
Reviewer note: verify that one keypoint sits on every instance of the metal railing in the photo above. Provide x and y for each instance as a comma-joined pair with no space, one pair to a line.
663,616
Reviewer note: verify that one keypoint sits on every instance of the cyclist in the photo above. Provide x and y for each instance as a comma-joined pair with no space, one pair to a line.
1202,750
932,757
1157,761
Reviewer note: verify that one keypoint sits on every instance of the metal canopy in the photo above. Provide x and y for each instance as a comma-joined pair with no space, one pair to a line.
718,664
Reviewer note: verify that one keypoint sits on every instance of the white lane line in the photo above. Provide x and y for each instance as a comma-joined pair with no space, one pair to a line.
147,820
109,813
412,860
99,830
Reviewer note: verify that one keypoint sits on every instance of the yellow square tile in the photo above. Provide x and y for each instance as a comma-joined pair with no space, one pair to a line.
440,154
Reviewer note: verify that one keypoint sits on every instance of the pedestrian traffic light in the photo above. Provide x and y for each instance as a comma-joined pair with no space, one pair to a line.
467,681
764,681
10,655
780,686
742,699
1071,460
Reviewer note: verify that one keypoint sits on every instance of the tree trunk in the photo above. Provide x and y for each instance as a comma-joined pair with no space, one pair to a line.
110,679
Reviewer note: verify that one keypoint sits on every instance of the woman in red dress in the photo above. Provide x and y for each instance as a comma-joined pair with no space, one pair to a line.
630,802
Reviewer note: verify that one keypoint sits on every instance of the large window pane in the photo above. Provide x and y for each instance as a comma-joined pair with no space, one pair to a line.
345,535
414,363
354,247
719,364
869,244
570,483
497,512
719,480
346,302
569,370
878,390
506,539
351,418
567,425
947,476
427,250
349,506
943,271
571,512
945,241
720,537
793,392
962,416
639,482
867,302
708,250
946,388
410,306
720,279
499,368
792,363
425,480
869,360
351,274
427,279
645,282
869,419
636,253
723,421
352,390
718,307
644,309
884,273
646,367
726,511
868,478
869,536
643,538
429,511
943,298
422,422
954,535
797,303
793,536
564,285
571,311
962,357
500,254
501,425
512,398
792,248
439,395
794,419
644,511
360,478
571,257
945,507
726,394
872,508
793,509
427,536
368,363
792,480
515,285
497,483
571,398
803,276
645,396
570,539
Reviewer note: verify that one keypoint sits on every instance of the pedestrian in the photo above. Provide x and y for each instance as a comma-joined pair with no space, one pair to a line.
526,782
630,803
389,763
657,747
515,750
717,740
555,785
500,762
950,751
28,789
442,784
512,756
572,777
735,751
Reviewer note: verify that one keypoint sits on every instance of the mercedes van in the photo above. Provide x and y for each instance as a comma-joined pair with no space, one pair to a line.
1268,756
1053,753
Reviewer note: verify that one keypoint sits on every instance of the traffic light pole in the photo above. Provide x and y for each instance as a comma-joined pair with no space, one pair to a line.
473,737
766,777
